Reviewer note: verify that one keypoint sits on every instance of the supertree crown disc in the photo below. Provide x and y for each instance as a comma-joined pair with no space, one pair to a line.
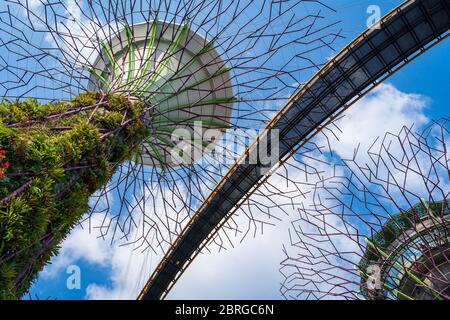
174,70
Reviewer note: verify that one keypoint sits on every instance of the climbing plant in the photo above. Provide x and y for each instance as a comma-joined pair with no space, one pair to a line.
53,157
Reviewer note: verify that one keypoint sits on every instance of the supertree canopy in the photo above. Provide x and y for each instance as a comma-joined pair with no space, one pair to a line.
54,156
415,266
378,227
132,111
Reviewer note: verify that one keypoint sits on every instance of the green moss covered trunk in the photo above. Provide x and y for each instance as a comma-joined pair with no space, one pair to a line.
53,157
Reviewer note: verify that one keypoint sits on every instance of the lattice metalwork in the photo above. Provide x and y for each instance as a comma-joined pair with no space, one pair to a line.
402,35
378,228
223,66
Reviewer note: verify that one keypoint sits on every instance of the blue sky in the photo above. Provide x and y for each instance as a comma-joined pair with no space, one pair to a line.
251,269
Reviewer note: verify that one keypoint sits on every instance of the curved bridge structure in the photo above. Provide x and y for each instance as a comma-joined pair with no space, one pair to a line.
402,35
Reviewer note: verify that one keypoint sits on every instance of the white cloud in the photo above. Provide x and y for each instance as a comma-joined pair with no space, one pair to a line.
248,271
129,271
34,4
385,109
79,245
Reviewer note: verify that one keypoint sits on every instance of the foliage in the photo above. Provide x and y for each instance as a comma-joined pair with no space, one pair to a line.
49,167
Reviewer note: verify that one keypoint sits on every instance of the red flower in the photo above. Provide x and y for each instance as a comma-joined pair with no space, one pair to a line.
6,165
2,152
2,175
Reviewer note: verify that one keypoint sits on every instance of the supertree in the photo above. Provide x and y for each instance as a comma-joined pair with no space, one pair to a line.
101,100
377,227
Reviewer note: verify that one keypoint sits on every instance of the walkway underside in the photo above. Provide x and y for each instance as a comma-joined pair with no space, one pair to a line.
404,33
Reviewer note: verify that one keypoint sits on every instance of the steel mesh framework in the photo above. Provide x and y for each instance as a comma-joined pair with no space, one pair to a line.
54,51
402,35
378,227
266,57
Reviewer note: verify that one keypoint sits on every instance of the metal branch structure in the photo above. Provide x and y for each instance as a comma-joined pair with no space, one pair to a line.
378,227
402,35
157,96
162,100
